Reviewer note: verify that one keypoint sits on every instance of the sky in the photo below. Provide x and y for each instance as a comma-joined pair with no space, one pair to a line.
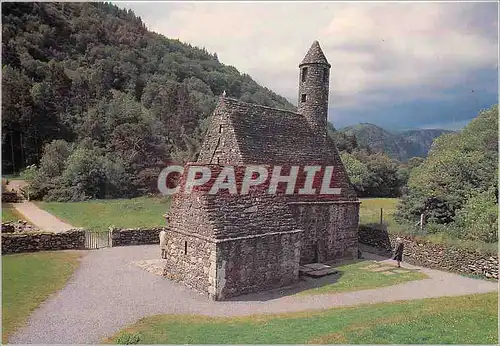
398,65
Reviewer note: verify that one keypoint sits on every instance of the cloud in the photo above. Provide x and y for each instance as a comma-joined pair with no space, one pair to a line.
381,53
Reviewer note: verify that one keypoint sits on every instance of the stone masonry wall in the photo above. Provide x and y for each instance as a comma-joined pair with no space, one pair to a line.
135,236
330,230
315,88
42,241
190,260
219,144
257,263
430,255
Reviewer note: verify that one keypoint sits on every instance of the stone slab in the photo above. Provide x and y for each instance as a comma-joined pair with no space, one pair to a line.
155,266
317,266
303,269
322,272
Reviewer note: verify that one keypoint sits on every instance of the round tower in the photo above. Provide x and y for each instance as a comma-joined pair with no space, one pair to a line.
314,83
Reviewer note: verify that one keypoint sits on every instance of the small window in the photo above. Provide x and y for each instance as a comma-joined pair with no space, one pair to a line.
303,98
220,128
218,161
304,74
185,247
325,75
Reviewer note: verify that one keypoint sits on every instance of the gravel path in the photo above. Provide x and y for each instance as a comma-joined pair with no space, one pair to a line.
107,293
40,218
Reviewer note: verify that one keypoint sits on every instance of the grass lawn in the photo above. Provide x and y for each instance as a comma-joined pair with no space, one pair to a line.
427,321
369,211
358,276
30,278
9,213
100,214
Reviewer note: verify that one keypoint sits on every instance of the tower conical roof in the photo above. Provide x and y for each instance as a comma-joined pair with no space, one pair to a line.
315,56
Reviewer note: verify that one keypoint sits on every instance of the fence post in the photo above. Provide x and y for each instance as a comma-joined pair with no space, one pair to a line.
110,236
381,216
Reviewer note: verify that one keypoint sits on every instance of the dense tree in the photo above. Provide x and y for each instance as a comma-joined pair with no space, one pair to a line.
455,185
92,75
357,171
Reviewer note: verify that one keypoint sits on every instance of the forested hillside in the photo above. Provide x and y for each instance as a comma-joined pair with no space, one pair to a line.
119,100
403,146
422,139
456,187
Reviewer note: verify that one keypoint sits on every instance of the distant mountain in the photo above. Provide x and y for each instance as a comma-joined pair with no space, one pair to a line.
400,146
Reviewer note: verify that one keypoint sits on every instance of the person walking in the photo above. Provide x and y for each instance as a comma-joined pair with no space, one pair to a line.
398,253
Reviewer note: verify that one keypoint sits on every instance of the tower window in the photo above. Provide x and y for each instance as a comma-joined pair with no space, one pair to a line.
220,128
304,74
325,75
185,247
303,98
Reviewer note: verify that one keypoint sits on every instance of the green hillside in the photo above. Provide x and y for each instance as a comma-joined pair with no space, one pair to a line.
401,146
91,74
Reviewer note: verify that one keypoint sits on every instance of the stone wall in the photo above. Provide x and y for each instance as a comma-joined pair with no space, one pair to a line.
437,256
220,145
18,226
135,236
374,239
258,263
190,260
330,230
313,94
42,241
10,197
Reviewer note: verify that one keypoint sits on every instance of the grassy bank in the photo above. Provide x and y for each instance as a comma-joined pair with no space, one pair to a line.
362,275
9,213
429,321
100,214
28,279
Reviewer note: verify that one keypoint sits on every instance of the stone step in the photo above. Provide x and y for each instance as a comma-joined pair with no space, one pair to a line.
317,270
322,272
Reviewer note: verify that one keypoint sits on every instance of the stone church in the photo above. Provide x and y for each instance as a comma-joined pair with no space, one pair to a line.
228,245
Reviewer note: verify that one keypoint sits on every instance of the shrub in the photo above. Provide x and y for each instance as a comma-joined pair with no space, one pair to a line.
128,339
479,217
28,173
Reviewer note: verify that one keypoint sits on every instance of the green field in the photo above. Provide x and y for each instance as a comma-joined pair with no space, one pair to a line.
469,319
149,211
369,211
358,276
100,214
9,213
28,279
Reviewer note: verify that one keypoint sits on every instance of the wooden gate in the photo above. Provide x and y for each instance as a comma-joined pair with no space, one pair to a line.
97,239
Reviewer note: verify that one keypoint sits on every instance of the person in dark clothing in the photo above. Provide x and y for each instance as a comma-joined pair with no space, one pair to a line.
398,253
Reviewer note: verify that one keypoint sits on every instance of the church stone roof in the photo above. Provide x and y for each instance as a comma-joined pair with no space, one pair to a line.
268,135
315,56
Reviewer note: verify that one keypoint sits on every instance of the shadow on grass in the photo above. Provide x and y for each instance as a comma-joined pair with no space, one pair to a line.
305,282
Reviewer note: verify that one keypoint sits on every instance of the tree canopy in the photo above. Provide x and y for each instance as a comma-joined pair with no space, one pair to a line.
460,175
92,76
